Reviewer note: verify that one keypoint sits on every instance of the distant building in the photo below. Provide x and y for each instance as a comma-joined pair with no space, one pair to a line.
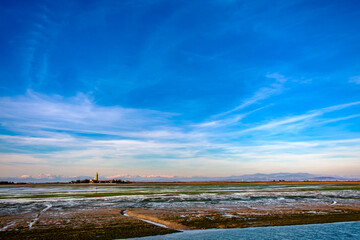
96,178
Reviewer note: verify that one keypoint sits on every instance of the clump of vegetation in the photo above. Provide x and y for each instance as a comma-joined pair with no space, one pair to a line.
81,181
6,182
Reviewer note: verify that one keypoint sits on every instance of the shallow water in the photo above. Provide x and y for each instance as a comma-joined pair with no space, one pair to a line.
343,230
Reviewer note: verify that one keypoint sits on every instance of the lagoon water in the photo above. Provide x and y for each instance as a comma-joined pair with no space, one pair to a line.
326,231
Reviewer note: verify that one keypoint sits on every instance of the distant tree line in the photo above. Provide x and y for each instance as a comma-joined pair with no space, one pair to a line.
8,182
81,181
100,181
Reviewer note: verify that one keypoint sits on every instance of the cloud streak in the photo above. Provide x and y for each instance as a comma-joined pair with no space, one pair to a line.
78,114
275,124
261,94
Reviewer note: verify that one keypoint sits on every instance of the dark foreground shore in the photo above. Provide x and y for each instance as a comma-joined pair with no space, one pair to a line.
82,224
110,224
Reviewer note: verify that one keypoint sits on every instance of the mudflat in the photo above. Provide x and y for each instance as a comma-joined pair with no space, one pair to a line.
79,224
67,211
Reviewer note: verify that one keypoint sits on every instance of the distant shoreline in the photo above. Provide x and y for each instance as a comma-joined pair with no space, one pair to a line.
191,183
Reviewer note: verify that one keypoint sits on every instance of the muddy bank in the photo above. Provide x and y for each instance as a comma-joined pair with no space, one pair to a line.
80,224
203,218
111,224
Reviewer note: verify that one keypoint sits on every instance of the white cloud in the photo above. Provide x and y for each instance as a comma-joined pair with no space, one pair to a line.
56,133
122,155
78,114
20,159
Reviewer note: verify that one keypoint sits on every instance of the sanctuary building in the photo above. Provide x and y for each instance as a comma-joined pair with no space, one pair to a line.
95,179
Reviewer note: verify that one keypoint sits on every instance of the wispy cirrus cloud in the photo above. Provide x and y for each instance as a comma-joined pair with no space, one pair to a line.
261,94
285,124
53,119
226,121
77,114
232,117
332,120
51,132
303,119
114,156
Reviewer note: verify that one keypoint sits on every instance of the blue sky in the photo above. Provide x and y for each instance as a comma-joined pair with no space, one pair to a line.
185,88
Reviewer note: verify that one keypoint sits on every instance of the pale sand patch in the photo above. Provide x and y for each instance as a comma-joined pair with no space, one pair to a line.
168,224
